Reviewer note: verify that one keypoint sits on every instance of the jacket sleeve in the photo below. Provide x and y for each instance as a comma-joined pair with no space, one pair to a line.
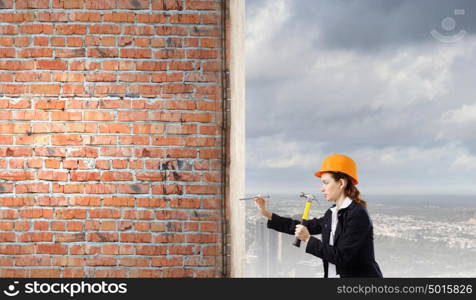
288,225
357,228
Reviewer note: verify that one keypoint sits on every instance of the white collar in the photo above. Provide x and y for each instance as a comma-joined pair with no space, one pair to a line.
346,203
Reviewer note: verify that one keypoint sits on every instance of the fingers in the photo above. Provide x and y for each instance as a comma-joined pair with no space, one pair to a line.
259,201
299,228
301,232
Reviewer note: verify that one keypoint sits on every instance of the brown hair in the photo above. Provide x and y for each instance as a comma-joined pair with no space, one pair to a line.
350,190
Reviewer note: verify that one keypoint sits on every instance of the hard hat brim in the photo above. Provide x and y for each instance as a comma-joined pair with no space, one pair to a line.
320,172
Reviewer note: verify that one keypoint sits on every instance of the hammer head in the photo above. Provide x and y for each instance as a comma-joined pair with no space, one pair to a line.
309,197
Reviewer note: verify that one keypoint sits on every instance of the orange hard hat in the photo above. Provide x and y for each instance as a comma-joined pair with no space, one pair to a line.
339,163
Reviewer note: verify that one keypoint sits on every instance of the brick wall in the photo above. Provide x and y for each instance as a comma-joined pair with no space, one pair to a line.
110,138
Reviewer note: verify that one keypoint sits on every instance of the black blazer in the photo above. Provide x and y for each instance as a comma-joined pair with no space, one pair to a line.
353,250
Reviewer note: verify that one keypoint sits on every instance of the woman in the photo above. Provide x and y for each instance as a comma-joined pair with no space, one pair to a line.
347,233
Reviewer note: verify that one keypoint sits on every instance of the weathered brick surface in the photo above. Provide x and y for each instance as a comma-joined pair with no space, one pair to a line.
110,138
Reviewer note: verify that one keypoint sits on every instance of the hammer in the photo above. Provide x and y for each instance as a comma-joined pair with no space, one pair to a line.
305,215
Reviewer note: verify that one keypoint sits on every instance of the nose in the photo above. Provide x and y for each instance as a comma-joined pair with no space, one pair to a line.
322,188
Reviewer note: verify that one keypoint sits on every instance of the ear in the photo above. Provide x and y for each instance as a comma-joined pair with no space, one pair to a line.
342,183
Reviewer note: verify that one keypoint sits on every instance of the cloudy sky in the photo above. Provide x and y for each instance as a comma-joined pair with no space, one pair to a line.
390,83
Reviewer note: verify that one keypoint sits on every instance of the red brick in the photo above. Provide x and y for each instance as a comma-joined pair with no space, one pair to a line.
182,250
6,226
119,152
201,189
116,176
132,116
98,116
7,52
7,237
31,115
209,130
85,16
102,237
171,30
85,201
69,53
119,201
100,189
166,261
141,214
22,4
182,153
102,52
57,42
45,89
167,5
37,260
133,188
101,140
105,213
49,104
200,141
73,273
151,202
136,53
170,53
36,237
66,140
61,29
152,18
167,189
119,17
80,127
70,237
139,30
8,213
7,4
52,175
15,151
16,175
32,188
103,164
201,238
136,4
185,18
35,52
120,164
150,176
151,66
101,261
49,151
134,140
148,128
51,64
68,4
104,29
210,19
185,203
70,213
114,128
85,176
51,249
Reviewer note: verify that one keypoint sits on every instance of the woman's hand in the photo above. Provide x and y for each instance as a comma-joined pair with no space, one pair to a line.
261,203
302,233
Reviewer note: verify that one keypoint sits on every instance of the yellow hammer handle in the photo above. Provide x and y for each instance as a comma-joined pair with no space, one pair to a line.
305,215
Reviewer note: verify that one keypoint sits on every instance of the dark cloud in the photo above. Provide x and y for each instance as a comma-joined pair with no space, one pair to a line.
374,25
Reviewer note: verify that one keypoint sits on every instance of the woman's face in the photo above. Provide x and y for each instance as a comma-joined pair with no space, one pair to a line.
331,189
